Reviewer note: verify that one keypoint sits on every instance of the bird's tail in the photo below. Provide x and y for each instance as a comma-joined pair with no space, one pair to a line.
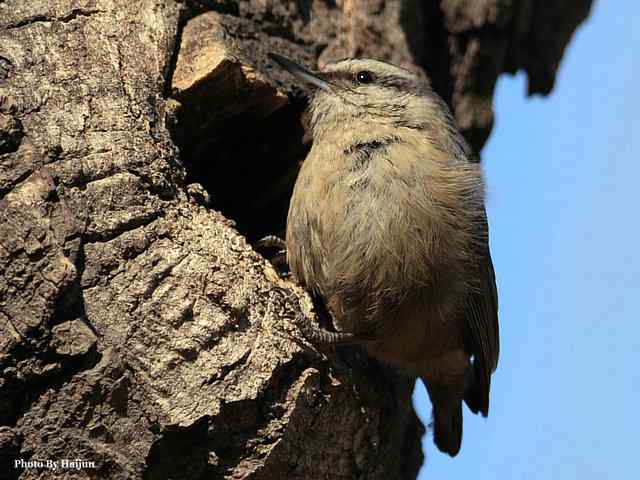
476,394
447,417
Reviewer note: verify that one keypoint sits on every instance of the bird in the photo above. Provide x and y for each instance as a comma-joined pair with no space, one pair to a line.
387,224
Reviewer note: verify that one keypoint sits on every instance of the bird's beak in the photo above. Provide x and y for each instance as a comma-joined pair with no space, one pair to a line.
300,72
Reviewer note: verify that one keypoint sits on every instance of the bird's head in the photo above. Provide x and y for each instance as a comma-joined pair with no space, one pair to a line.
370,92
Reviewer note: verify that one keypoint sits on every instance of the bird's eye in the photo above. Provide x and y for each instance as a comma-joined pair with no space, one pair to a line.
364,77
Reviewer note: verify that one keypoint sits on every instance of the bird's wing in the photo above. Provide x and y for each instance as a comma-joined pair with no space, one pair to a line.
482,325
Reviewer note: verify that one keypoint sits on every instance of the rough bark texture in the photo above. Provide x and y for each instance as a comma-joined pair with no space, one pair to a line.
138,328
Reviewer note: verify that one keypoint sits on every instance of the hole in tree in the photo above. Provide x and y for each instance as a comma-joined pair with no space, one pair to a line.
247,163
239,135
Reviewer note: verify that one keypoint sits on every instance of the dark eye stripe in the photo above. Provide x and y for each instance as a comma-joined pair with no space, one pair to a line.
398,83
332,76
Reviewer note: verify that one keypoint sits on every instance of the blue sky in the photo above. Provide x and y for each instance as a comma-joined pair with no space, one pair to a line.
563,177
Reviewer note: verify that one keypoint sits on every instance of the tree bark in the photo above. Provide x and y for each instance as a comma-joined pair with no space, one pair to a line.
143,146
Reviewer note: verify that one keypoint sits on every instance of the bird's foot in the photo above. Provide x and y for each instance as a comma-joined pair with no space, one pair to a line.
279,258
319,336
271,241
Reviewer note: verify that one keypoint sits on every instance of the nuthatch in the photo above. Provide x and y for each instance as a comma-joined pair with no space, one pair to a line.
387,224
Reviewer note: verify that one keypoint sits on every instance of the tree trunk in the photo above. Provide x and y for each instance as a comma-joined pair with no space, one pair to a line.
143,146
